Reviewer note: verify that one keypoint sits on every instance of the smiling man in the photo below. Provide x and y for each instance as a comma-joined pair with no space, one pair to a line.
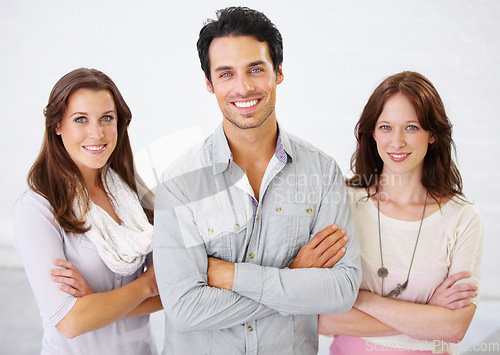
237,266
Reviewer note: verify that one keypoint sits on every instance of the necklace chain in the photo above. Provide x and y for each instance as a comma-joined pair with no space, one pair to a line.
382,272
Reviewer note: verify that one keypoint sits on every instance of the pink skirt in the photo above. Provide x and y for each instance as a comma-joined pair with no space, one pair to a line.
345,345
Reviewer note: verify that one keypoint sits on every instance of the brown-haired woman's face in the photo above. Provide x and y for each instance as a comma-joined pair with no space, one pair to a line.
401,142
89,129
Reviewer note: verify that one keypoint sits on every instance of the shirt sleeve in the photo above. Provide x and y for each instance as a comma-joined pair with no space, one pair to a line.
465,248
38,239
314,290
180,260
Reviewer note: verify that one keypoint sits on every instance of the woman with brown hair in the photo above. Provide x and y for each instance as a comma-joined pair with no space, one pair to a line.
83,212
419,238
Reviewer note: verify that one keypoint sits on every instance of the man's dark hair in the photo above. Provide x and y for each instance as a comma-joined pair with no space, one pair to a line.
239,21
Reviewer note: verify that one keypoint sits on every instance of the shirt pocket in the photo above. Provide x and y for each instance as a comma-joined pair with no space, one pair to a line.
219,233
289,230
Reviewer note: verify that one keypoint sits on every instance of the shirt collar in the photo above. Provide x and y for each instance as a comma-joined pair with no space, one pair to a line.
222,155
285,145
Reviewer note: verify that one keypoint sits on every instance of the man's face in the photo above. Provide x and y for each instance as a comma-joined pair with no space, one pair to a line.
243,80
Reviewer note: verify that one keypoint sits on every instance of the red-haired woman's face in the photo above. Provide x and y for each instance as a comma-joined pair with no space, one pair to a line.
89,129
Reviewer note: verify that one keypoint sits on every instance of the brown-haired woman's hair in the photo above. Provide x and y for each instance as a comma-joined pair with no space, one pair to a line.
440,175
54,175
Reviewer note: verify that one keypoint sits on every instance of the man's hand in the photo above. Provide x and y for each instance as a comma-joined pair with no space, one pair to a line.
220,273
324,250
451,295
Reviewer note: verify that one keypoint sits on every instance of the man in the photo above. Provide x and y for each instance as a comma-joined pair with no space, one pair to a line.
237,270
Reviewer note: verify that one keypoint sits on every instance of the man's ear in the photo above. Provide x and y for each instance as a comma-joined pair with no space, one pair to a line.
279,74
210,88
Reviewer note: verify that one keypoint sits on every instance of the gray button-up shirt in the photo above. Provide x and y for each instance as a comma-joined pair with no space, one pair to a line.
204,208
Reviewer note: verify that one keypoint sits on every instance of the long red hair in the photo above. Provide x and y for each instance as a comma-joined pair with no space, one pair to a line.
440,174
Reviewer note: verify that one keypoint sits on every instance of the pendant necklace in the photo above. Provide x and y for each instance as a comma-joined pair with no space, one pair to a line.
382,272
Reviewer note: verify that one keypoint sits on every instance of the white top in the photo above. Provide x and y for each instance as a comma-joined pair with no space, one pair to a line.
450,241
39,239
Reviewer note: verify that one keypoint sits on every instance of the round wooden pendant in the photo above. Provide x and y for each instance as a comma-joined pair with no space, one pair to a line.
382,272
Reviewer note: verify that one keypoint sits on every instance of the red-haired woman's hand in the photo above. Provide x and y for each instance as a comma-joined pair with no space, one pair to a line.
452,295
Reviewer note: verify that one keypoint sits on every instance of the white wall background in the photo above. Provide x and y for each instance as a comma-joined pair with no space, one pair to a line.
336,52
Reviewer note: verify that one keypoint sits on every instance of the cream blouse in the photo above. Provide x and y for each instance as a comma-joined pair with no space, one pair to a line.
450,241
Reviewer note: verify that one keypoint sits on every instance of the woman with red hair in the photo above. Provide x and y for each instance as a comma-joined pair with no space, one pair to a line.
419,238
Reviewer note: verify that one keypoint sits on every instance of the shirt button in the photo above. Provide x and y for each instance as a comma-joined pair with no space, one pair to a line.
309,210
118,278
251,255
210,230
236,226
278,208
250,328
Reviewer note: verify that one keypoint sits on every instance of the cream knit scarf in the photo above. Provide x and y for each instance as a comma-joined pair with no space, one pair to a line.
123,247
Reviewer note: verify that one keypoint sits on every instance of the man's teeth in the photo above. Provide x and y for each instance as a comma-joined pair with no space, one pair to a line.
246,103
94,147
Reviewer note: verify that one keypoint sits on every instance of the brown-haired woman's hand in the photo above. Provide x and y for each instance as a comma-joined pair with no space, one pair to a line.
71,280
150,279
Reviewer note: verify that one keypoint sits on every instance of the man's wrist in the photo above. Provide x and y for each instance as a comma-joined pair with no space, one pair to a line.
229,277
220,273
